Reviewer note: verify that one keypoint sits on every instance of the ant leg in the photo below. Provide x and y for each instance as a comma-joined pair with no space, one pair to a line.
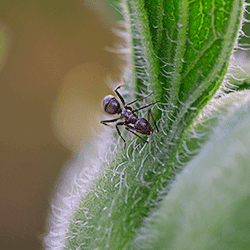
134,110
150,114
130,129
118,131
119,95
107,121
139,99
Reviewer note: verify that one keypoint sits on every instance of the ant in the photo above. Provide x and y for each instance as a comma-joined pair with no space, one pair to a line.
141,125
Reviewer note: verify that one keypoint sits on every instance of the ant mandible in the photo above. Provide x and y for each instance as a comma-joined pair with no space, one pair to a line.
140,125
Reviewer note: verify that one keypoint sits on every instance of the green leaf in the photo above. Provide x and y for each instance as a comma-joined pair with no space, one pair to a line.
192,46
208,205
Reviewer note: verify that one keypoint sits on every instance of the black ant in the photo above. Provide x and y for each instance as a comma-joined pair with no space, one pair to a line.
141,125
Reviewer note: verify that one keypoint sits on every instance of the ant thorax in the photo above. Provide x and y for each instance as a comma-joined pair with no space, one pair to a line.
129,116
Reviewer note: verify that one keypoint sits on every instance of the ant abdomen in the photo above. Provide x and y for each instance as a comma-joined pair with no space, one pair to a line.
143,126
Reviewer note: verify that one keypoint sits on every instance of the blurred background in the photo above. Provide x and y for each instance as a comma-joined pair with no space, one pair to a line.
53,77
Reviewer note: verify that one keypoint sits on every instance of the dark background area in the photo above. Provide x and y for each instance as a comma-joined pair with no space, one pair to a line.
50,48
53,75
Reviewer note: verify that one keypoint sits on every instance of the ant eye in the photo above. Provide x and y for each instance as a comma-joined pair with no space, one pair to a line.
111,107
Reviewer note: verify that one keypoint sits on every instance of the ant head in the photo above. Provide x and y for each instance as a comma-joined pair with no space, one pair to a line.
111,105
